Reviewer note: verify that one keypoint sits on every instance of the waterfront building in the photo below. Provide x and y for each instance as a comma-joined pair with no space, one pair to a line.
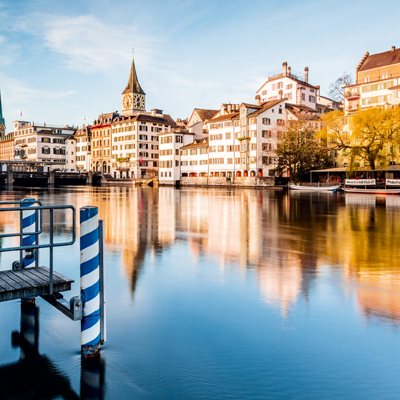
100,133
241,143
83,149
377,81
199,118
43,143
170,153
290,85
7,147
194,159
135,145
2,120
325,104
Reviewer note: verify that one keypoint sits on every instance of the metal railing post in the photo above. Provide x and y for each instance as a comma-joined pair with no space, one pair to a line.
28,225
90,285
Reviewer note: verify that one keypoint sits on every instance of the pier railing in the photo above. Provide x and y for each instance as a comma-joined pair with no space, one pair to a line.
31,236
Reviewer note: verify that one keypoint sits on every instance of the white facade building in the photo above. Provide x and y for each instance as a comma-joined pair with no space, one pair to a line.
170,144
45,144
83,149
290,85
240,144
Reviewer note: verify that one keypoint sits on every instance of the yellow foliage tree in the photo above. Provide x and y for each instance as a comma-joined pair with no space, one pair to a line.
366,135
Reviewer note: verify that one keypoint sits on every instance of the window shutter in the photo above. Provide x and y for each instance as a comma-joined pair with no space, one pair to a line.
363,89
385,85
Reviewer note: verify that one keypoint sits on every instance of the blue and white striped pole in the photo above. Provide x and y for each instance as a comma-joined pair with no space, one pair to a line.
90,284
28,225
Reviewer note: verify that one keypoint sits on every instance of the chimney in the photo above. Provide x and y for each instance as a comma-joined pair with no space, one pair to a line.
289,71
298,96
306,74
229,108
284,69
393,48
223,110
317,90
258,100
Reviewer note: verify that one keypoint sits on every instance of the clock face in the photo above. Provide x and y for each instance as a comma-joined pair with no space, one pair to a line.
127,101
138,102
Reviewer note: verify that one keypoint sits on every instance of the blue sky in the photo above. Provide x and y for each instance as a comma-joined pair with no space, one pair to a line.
62,61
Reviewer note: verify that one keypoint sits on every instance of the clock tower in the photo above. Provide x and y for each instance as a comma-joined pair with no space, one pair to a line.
133,97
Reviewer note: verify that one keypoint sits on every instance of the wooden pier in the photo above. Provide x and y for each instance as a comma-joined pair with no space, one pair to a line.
31,282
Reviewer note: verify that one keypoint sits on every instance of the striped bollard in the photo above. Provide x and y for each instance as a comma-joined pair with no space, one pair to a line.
28,225
90,285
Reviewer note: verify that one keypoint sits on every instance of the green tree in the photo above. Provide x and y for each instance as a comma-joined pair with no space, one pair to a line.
368,135
299,149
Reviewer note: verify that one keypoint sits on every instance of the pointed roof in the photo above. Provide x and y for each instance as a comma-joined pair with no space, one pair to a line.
2,120
133,85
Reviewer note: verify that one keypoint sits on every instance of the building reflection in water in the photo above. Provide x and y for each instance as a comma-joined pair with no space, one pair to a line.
285,239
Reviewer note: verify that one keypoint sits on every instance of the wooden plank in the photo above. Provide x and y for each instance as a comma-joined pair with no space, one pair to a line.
61,276
32,278
33,292
45,273
5,287
16,276
9,279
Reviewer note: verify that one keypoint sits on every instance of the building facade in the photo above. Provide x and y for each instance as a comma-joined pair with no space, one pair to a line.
7,147
100,133
83,149
45,143
377,81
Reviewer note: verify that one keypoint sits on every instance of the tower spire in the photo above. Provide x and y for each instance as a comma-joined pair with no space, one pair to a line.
133,85
2,120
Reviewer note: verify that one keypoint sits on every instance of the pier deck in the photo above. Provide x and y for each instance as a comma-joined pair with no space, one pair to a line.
31,282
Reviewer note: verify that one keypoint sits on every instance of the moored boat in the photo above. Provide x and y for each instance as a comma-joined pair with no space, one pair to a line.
370,186
315,188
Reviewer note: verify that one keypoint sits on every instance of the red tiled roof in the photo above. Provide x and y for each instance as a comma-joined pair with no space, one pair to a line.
224,117
381,60
265,106
197,143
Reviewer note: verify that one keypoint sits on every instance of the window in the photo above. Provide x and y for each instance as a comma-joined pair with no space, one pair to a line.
142,137
229,161
280,122
266,121
142,128
203,162
366,78
178,139
288,87
303,96
253,146
279,85
212,149
220,148
264,93
265,134
203,150
228,135
193,152
230,148
45,140
311,99
280,110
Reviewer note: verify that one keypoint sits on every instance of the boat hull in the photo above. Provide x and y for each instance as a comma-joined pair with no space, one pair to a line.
372,191
314,188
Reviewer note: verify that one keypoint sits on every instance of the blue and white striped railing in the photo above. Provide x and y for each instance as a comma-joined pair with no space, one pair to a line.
90,285
28,226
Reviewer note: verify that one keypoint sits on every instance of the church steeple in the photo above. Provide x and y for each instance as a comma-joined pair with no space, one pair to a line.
133,85
133,97
2,120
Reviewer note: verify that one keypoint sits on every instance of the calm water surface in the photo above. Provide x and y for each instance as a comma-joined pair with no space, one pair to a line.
226,294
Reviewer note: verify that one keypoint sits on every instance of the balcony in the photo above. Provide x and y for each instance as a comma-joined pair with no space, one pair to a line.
351,95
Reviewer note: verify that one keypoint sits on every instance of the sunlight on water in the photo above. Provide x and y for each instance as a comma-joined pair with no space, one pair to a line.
228,294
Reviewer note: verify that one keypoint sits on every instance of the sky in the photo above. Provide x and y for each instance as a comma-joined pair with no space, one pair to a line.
66,62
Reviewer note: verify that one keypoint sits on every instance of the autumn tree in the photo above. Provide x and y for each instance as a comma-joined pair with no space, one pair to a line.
336,89
368,135
299,149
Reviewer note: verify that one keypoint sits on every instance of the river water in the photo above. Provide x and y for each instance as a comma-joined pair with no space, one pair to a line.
224,294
